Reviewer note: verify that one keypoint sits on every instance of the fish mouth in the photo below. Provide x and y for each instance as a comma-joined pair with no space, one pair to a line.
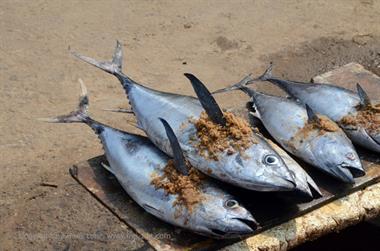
372,141
268,183
306,194
250,222
356,171
346,172
375,138
284,182
315,192
242,226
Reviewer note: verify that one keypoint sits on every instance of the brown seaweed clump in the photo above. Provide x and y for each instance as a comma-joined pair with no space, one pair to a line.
237,135
186,187
368,118
322,126
325,124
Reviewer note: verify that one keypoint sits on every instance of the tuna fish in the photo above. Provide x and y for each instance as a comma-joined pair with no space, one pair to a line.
259,167
354,112
306,189
312,137
134,161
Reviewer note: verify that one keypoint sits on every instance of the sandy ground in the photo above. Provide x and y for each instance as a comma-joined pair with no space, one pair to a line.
219,41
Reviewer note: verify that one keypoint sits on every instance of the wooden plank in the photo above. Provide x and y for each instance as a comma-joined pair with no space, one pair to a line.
270,209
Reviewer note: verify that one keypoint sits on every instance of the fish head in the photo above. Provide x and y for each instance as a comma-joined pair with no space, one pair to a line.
375,135
335,153
363,136
306,189
220,215
260,168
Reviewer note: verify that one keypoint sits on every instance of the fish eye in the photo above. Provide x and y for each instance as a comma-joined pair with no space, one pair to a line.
350,156
271,160
231,203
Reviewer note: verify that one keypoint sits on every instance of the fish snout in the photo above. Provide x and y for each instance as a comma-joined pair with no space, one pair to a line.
280,177
355,167
283,182
236,227
236,224
250,222
304,193
353,164
343,173
242,226
376,138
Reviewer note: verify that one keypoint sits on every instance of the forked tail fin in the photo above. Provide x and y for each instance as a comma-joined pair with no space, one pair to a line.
242,83
80,115
267,73
113,67
247,81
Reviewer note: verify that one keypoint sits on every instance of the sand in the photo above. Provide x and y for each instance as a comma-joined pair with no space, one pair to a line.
219,41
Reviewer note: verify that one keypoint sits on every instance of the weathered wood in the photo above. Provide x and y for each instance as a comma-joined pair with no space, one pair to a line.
339,214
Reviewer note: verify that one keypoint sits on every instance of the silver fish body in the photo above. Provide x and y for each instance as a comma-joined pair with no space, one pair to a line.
336,103
135,162
251,171
287,120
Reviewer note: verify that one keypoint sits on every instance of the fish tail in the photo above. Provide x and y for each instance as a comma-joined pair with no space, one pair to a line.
80,115
267,73
113,67
240,85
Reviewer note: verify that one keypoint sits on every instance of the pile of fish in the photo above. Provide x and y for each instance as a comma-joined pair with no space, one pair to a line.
175,176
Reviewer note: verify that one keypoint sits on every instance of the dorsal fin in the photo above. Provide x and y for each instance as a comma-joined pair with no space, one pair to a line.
179,160
207,100
311,116
364,99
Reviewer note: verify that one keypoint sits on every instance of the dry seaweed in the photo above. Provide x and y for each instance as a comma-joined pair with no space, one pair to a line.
213,139
325,124
186,187
368,118
320,127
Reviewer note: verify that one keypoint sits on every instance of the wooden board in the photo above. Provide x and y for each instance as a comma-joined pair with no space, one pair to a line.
269,209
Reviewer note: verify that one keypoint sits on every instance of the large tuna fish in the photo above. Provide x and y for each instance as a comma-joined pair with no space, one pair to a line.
354,112
135,161
259,167
312,137
306,189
